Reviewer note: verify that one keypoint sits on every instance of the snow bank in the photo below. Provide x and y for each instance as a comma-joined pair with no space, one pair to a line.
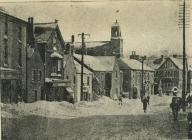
65,110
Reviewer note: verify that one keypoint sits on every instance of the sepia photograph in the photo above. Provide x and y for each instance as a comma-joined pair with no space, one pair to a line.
95,69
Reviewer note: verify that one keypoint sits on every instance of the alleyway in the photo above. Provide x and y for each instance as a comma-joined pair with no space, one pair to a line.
156,124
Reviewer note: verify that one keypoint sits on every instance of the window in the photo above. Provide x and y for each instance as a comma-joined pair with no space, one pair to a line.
39,75
34,94
116,75
59,65
88,82
67,77
5,52
20,46
54,40
33,75
74,80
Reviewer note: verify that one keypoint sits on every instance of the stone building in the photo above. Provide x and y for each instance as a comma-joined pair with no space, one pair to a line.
106,72
114,47
132,78
13,43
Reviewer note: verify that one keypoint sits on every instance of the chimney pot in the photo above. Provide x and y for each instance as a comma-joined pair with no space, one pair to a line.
29,19
56,21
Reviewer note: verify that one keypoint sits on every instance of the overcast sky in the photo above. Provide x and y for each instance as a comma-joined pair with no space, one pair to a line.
147,26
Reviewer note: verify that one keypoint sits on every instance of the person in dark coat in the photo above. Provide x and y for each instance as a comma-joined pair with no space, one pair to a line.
145,101
148,99
120,100
189,119
175,106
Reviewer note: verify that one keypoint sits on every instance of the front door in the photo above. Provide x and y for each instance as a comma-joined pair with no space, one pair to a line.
108,80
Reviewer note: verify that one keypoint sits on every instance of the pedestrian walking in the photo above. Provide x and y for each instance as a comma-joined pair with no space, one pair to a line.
148,99
145,101
120,100
175,106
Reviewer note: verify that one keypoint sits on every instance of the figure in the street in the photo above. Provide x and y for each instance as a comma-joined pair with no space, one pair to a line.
145,101
120,100
189,119
175,106
148,99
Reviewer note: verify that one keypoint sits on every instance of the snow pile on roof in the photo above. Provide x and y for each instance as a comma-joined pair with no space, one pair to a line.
98,63
56,55
133,64
78,68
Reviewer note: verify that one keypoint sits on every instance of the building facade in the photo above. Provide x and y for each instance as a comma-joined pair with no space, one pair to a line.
169,75
107,74
87,84
132,78
51,46
35,75
13,43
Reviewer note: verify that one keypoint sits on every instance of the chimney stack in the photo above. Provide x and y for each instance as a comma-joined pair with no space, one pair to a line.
56,21
72,44
30,33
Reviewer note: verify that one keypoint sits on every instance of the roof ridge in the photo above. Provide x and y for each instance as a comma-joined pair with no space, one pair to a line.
40,23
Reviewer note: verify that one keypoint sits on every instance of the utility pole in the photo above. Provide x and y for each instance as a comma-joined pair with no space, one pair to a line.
183,15
142,71
82,60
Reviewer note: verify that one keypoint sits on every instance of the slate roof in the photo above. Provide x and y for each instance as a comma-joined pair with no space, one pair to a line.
178,62
154,63
125,63
98,63
95,48
43,31
91,44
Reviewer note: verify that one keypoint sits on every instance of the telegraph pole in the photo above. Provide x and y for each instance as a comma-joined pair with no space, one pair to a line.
184,58
82,60
142,71
183,14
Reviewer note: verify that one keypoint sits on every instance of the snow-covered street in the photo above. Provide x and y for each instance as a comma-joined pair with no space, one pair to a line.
102,119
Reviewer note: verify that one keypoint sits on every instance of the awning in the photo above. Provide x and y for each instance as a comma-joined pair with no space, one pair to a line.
69,90
57,82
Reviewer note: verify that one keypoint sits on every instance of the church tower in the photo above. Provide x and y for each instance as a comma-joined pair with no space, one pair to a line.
116,40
